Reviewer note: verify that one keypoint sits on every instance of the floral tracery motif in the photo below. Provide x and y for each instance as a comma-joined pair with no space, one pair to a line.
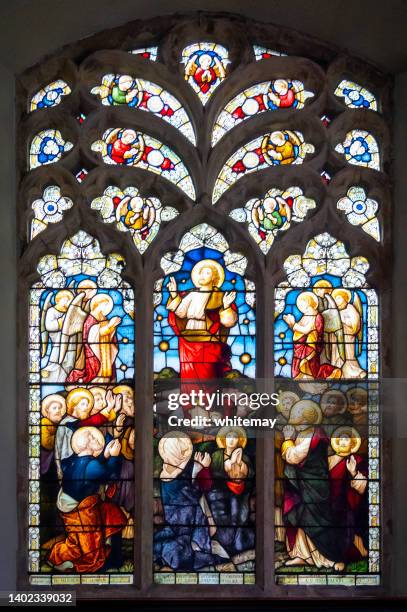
274,212
361,149
132,213
48,209
361,211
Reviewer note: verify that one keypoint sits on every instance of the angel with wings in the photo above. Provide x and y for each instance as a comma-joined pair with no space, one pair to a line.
62,326
53,315
205,67
351,314
121,89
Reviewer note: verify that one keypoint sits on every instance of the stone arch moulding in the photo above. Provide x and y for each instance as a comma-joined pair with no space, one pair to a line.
147,139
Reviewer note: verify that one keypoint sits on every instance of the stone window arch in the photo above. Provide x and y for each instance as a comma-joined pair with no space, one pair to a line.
136,137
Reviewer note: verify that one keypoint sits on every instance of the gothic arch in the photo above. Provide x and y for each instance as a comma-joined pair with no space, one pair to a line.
323,174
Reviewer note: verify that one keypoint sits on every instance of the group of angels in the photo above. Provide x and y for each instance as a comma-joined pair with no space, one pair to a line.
78,340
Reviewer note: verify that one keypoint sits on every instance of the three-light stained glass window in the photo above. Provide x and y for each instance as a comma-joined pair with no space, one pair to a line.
246,216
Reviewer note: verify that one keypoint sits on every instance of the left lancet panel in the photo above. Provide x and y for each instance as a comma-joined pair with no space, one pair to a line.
125,90
81,418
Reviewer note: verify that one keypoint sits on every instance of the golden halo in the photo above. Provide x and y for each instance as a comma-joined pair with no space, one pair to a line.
305,412
49,399
207,263
223,432
352,433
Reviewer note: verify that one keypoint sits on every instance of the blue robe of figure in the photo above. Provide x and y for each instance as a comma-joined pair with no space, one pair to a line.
82,476
185,543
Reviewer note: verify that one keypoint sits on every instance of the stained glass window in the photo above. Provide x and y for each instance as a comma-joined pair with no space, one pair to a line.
147,52
123,89
270,95
132,213
360,148
47,147
275,212
265,53
130,148
273,149
205,67
238,276
361,210
204,515
50,95
48,209
356,96
81,489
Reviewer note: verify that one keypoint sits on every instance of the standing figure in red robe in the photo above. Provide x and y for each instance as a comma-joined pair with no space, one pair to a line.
100,344
205,68
201,318
348,472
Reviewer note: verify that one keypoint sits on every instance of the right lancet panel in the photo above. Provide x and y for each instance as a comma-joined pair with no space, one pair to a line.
326,442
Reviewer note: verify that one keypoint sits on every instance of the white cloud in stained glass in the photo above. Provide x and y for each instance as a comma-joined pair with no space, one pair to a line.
49,208
273,149
123,89
264,53
125,146
324,254
47,147
356,96
269,95
361,149
205,67
361,211
81,255
274,212
203,235
132,213
146,52
50,95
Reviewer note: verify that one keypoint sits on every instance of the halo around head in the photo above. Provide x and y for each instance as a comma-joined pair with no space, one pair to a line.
305,300
49,399
224,431
305,412
208,263
352,433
